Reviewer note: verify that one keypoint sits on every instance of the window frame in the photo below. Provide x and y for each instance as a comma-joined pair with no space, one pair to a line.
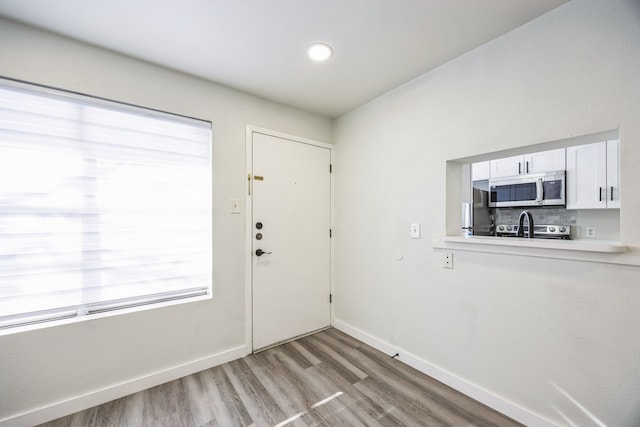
116,307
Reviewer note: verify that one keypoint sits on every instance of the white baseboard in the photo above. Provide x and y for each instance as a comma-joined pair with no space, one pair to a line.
475,392
107,394
79,403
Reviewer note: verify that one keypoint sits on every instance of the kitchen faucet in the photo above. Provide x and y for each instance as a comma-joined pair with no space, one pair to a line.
527,214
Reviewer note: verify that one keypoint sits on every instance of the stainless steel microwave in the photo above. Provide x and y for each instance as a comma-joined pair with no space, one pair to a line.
539,189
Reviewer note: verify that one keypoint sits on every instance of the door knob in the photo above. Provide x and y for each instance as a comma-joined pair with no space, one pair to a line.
259,225
260,252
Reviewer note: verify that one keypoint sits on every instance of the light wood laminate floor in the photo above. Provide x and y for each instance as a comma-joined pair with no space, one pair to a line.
326,379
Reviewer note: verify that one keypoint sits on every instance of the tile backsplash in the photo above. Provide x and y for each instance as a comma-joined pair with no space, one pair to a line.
558,216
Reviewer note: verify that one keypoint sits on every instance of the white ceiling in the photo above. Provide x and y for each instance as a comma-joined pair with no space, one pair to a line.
259,46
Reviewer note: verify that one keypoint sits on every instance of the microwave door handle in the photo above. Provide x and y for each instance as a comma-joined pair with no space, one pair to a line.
539,191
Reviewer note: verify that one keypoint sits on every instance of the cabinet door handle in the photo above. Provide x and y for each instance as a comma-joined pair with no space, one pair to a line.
527,168
519,168
600,193
612,193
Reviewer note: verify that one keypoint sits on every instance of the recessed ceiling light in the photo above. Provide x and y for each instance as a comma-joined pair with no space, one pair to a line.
320,52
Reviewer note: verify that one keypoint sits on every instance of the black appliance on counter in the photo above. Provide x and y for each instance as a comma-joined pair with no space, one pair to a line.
482,217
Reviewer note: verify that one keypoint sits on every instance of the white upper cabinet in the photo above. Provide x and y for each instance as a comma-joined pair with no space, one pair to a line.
508,166
593,176
613,174
544,161
480,171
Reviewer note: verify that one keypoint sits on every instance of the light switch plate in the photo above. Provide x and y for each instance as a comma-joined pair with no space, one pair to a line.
235,206
415,231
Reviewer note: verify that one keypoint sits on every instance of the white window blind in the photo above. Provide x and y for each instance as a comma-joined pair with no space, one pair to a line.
103,205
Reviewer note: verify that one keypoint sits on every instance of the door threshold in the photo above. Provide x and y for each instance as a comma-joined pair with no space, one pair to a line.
297,337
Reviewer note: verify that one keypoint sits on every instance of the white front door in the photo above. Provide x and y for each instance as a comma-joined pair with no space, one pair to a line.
291,221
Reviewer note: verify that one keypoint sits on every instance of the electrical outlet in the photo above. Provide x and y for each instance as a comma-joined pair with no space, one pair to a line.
447,260
590,232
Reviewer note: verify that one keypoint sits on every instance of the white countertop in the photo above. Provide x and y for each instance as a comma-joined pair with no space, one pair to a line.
591,250
588,245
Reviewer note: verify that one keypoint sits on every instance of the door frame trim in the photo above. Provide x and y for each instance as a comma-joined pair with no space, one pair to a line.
250,130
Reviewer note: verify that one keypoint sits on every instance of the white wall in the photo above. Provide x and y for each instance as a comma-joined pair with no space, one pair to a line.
554,337
47,366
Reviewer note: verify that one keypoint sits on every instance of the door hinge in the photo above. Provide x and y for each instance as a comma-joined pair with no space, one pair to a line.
330,168
330,298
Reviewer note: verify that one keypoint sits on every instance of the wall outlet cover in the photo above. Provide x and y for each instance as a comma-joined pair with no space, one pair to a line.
447,260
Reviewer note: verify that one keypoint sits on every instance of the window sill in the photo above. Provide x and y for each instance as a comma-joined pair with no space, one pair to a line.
580,250
90,317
